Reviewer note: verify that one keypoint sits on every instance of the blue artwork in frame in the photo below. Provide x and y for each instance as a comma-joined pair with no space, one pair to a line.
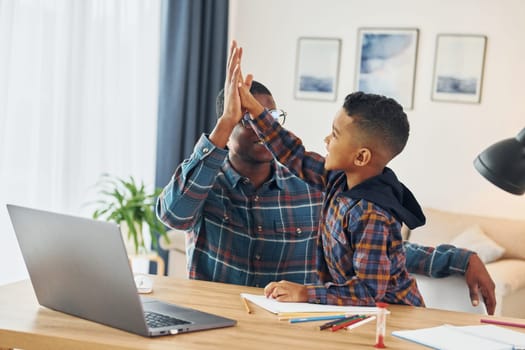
386,61
458,68
317,69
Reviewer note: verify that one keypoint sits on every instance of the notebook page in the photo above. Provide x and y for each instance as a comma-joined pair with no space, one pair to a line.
448,337
276,307
516,339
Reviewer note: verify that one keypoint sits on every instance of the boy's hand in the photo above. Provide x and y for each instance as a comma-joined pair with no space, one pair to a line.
286,291
249,103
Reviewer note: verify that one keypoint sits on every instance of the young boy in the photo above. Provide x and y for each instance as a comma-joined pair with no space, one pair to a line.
360,252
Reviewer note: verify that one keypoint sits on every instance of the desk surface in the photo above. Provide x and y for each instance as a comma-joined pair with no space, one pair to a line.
26,325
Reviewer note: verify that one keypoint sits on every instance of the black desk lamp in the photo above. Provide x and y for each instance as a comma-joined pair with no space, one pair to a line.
503,164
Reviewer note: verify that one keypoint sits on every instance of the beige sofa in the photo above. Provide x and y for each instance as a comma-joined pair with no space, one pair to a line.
177,253
508,271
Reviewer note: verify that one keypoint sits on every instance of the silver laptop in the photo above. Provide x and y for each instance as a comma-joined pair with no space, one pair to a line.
80,266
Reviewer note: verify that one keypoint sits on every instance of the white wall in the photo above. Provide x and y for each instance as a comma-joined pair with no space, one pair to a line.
445,137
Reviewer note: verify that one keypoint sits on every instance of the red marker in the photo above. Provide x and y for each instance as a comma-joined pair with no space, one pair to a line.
502,323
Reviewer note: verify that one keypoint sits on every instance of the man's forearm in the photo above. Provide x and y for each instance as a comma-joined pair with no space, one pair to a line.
180,202
221,133
441,261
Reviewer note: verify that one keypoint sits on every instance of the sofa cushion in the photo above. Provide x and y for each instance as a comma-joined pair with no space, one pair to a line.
443,227
475,239
177,241
508,275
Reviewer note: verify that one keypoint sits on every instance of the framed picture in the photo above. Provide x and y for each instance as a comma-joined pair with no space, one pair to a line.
386,62
317,68
458,68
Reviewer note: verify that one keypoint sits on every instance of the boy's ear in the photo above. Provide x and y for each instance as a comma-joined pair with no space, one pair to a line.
363,157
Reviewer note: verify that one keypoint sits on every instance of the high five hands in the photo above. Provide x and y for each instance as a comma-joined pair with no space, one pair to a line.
233,109
237,88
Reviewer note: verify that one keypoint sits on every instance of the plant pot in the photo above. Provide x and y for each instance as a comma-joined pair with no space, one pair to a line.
129,242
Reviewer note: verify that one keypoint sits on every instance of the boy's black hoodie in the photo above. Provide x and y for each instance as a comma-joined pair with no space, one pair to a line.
386,191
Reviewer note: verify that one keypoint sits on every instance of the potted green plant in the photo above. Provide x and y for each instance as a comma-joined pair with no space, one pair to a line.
127,203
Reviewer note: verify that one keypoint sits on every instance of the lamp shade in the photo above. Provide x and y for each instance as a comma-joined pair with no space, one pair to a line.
503,164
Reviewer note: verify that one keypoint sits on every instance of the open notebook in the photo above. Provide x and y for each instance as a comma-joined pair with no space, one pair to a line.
486,337
277,307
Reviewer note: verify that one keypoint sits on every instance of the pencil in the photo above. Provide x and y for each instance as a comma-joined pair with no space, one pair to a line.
503,323
342,325
287,317
246,306
360,323
342,320
316,318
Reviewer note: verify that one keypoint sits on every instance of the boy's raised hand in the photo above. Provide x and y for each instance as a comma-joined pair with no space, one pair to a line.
248,102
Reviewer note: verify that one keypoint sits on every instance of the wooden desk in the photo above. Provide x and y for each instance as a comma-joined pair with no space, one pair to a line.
26,325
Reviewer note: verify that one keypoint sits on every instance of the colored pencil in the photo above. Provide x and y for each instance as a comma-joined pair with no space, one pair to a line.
342,320
316,318
311,314
342,325
503,323
360,323
287,318
246,306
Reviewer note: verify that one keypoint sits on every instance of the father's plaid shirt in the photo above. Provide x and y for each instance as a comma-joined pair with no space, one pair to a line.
236,234
239,234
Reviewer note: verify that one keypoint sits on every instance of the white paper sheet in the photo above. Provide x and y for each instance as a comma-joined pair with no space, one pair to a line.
486,337
277,307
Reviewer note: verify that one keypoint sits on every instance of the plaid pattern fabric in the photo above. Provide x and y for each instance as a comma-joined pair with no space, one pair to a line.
237,234
220,212
361,258
442,261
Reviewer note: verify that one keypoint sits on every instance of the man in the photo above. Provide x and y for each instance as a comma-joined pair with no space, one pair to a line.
250,221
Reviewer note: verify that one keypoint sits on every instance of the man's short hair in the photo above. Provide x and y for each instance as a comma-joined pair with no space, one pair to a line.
379,118
256,88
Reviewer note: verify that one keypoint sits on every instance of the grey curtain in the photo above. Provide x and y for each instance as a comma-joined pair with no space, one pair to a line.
194,44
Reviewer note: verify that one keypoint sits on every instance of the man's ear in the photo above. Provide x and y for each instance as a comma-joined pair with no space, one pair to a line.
363,157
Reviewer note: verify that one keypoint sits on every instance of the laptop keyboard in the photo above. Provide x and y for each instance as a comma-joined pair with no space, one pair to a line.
155,320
